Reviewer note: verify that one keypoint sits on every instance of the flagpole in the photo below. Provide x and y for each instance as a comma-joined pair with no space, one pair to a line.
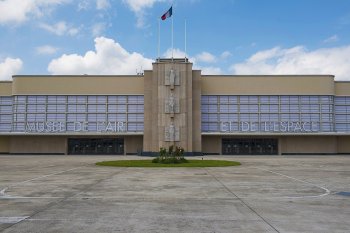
158,38
172,37
185,38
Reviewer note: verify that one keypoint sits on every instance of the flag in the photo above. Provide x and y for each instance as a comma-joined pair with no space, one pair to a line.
167,14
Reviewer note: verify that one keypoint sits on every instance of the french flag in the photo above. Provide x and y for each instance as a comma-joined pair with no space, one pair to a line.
167,14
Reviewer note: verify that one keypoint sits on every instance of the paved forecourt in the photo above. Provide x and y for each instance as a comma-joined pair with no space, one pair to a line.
264,194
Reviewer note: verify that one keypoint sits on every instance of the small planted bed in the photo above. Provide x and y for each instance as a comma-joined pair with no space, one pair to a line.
169,158
148,163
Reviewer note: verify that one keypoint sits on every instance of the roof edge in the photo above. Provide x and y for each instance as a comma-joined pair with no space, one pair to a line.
272,75
69,75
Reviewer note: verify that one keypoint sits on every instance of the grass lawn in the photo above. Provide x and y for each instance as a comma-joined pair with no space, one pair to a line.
148,163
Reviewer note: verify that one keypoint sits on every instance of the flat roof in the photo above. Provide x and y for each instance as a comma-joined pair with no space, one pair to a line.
267,75
79,75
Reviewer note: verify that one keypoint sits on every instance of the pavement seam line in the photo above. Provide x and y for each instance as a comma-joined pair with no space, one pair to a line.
327,191
48,206
3,194
242,201
86,187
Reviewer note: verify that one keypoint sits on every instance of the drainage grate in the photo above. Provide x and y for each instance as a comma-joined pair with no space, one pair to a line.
12,219
347,194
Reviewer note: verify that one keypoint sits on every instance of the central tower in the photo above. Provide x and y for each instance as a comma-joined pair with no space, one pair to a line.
172,96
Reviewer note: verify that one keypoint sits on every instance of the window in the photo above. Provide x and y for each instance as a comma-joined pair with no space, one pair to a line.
260,109
70,109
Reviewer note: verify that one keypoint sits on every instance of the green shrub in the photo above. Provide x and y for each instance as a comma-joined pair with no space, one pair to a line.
170,156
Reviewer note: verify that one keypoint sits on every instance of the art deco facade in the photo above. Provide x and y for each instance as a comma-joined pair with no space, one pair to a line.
172,104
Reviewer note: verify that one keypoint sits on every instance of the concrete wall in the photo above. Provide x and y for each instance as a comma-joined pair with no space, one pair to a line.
268,85
210,84
291,144
5,88
56,144
133,144
78,85
211,144
308,144
188,95
150,114
196,111
4,145
344,144
193,85
38,144
342,88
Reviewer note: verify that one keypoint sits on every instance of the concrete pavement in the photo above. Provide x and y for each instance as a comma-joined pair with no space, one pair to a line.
264,194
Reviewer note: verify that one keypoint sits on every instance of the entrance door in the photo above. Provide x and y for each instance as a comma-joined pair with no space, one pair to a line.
249,146
95,146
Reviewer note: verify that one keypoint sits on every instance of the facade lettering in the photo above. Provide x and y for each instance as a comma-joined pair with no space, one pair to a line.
269,126
78,126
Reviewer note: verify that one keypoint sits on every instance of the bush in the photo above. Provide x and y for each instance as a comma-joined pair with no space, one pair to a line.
170,156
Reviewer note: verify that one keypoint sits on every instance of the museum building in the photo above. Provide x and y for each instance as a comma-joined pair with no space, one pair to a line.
172,104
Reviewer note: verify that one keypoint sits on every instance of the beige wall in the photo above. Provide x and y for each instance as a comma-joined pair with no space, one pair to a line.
77,85
5,88
38,144
211,144
308,144
149,95
133,144
291,144
211,84
344,144
57,144
196,111
193,85
342,88
4,144
188,94
268,85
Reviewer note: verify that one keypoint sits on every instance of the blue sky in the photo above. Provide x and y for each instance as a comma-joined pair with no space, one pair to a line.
223,37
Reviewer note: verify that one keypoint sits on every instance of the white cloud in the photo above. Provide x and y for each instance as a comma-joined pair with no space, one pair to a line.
268,54
83,5
140,5
331,39
98,29
9,67
177,53
225,55
109,57
72,31
139,8
102,4
46,49
297,60
210,70
61,28
18,11
206,57
207,70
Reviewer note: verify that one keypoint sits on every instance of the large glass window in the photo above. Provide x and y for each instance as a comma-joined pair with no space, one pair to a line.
73,110
312,113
